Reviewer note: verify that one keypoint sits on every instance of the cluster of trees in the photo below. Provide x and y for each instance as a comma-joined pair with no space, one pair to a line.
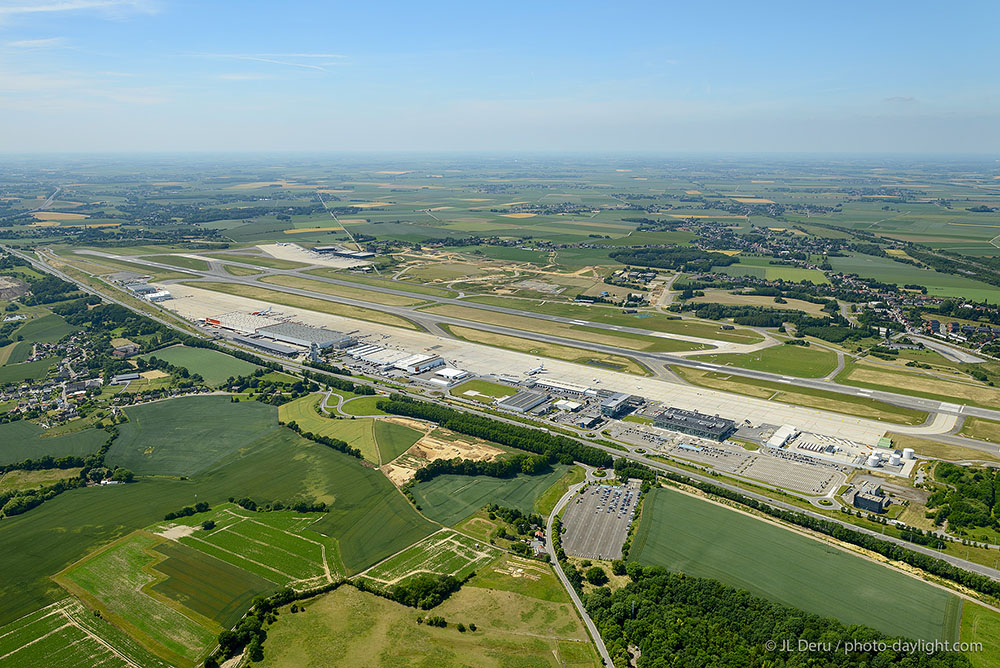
836,328
555,447
506,467
49,289
933,565
681,258
334,382
335,443
626,468
970,497
674,619
299,506
519,521
188,511
424,591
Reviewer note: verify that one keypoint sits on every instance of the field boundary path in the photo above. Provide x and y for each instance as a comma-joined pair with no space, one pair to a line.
550,548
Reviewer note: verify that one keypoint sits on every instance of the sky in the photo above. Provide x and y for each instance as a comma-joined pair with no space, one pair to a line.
661,77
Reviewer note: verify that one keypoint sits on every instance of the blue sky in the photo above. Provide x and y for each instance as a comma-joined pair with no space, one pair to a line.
153,75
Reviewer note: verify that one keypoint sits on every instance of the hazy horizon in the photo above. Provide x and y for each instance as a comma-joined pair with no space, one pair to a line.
156,76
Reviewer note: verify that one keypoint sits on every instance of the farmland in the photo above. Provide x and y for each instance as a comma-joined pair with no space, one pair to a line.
48,329
369,519
187,435
276,546
394,439
15,373
448,499
25,440
67,635
445,553
683,533
347,628
937,283
215,367
115,581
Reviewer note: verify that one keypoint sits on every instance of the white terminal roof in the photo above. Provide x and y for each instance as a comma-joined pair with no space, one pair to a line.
567,405
781,435
451,373
243,322
559,385
412,359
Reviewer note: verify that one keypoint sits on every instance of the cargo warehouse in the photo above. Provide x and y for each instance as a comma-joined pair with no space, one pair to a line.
306,336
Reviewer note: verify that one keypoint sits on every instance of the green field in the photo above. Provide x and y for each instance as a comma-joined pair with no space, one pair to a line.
449,499
356,433
116,579
482,391
276,546
17,373
548,499
369,519
811,362
445,553
348,628
215,367
760,267
394,439
179,261
980,624
362,406
67,635
937,283
683,533
187,435
26,440
47,329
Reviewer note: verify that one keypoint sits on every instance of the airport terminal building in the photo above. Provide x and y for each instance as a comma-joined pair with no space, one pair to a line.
695,423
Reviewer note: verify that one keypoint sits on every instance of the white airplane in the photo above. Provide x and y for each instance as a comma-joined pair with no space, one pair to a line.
538,369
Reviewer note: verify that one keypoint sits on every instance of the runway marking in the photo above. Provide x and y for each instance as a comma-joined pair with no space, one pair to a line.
950,407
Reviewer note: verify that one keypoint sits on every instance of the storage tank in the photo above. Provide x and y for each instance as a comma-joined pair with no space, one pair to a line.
894,459
907,453
874,460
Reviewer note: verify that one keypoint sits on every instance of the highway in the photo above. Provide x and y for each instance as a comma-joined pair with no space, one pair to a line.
655,362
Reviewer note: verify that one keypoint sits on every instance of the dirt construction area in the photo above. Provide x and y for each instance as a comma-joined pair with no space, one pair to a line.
434,445
597,521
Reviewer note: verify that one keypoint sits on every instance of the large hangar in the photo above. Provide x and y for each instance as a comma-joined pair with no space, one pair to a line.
306,336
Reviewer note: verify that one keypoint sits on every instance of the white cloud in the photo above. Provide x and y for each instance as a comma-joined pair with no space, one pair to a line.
45,43
21,7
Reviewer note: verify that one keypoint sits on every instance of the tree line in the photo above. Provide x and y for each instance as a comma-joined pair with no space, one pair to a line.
558,448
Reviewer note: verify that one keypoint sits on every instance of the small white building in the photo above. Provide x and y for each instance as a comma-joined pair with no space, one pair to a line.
158,296
452,375
782,435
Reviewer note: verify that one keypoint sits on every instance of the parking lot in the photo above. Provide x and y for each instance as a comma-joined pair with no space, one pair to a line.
597,521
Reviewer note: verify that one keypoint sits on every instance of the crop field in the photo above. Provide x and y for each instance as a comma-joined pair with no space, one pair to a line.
25,440
759,267
937,283
348,628
188,435
445,553
275,546
980,624
700,538
213,366
116,580
16,373
47,329
67,635
369,519
811,362
356,433
449,499
394,439
19,480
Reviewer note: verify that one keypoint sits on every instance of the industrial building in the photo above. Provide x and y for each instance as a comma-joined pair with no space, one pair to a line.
782,435
870,497
306,336
266,346
523,401
452,375
140,288
616,405
244,323
559,387
695,423
344,252
158,296
567,405
418,363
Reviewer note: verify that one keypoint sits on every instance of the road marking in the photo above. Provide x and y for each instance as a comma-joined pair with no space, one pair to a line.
949,407
579,322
